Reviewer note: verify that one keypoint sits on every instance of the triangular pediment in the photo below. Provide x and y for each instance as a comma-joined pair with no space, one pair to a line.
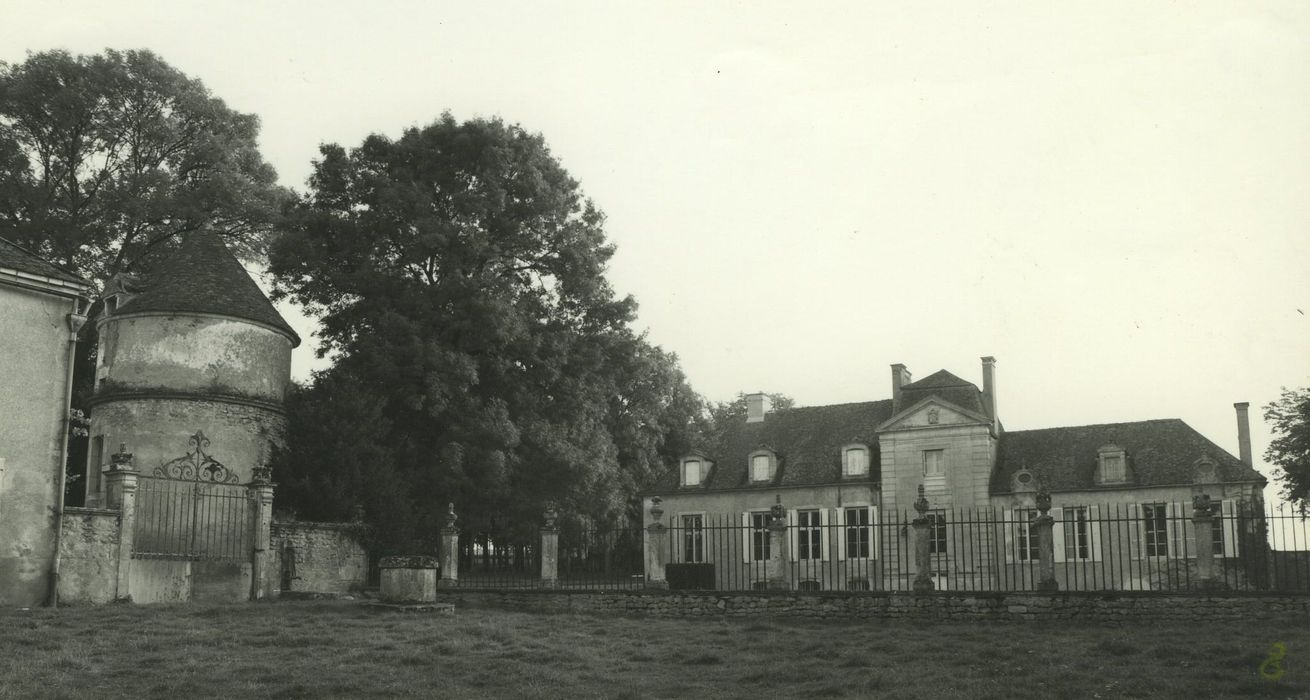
933,412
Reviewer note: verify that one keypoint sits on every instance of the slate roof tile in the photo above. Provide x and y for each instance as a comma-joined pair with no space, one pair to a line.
203,276
16,257
1159,452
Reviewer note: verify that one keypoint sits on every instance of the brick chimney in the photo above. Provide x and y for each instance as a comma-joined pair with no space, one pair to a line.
900,377
989,390
1244,432
757,405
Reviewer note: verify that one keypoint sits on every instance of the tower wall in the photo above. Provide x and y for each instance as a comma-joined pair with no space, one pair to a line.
194,353
161,377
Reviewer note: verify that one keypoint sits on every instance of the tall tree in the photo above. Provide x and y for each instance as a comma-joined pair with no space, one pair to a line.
107,158
458,274
1289,417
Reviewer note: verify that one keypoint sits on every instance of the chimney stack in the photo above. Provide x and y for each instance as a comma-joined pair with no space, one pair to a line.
900,377
989,390
756,406
1244,432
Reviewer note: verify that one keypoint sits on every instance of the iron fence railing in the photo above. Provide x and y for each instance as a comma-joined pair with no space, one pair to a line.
1117,546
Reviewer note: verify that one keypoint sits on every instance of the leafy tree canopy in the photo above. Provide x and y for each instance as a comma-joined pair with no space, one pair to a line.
106,158
482,357
1289,417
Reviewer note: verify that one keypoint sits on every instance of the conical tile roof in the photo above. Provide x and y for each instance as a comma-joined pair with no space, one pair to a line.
202,276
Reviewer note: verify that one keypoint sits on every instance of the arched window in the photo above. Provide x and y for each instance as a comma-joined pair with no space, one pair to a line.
691,472
763,465
855,460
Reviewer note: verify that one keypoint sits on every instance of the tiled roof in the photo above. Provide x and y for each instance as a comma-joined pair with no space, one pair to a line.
807,441
202,276
16,257
1159,452
946,386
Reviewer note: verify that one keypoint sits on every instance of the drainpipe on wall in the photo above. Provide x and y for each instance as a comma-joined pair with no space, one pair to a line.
75,321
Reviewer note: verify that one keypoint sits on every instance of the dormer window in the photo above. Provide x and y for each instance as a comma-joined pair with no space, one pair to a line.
855,460
691,472
763,466
1112,465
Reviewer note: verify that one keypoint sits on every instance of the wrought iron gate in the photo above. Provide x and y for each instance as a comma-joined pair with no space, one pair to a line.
193,508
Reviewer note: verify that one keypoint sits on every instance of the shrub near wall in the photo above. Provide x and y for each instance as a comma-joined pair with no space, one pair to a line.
1123,607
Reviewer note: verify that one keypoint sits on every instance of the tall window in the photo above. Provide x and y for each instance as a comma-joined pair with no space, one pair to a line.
1025,540
1077,535
1217,532
856,461
760,536
937,532
934,463
857,532
94,463
809,536
1155,530
1112,468
690,472
693,539
759,468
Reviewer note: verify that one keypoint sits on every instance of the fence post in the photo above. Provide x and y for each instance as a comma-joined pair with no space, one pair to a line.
1202,524
779,557
1042,525
923,578
656,541
120,492
261,499
449,551
550,549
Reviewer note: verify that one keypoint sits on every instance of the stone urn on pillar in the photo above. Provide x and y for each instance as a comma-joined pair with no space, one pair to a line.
1041,529
922,532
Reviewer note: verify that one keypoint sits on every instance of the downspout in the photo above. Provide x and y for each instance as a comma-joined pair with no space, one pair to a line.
75,321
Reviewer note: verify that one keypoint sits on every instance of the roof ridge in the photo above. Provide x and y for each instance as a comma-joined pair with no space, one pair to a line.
1098,425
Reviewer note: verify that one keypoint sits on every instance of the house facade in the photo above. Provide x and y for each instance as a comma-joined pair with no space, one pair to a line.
42,307
846,478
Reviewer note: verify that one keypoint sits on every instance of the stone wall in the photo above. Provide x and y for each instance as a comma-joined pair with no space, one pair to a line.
1120,607
88,556
328,557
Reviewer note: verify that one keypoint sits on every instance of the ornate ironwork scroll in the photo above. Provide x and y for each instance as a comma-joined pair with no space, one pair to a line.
197,465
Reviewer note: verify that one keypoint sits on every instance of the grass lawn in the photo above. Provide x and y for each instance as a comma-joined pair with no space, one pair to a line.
341,649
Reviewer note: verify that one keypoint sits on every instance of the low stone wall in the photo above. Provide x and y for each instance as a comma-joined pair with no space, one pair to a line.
328,557
1117,607
88,556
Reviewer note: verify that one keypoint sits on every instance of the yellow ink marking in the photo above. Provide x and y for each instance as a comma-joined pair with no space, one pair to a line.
1272,668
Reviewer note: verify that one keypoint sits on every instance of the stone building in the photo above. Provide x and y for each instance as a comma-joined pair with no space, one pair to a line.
41,309
847,477
193,368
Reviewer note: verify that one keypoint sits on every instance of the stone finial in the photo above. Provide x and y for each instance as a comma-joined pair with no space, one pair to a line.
777,511
1202,504
550,515
261,475
450,516
120,460
921,503
656,510
1043,500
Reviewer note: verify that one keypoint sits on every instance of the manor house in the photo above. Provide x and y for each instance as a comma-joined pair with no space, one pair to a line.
848,475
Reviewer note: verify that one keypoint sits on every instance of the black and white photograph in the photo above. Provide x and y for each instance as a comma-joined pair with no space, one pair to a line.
667,349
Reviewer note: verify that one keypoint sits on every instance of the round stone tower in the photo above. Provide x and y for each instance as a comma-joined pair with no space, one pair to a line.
193,346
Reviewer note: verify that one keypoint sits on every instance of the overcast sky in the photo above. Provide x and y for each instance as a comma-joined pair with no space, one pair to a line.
1112,200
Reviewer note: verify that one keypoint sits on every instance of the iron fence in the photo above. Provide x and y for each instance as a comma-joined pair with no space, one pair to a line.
178,519
1143,547
587,558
